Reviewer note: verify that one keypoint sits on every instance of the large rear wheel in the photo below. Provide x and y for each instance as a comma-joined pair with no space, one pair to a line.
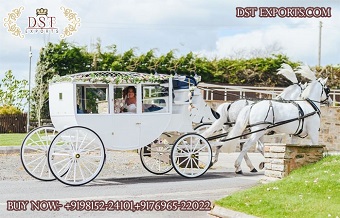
33,153
76,156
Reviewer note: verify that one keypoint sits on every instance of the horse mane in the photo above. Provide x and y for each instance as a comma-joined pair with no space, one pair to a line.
306,72
287,71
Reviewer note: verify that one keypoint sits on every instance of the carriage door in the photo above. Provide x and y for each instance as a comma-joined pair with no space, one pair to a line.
126,118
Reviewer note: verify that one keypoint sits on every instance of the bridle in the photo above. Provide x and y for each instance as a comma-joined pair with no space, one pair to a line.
327,91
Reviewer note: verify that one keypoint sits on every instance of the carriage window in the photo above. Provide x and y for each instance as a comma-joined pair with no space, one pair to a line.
125,99
155,98
92,99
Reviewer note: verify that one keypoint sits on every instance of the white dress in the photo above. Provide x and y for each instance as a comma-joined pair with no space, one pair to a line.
131,108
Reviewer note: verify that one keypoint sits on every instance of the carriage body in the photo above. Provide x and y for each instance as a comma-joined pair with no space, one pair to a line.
96,105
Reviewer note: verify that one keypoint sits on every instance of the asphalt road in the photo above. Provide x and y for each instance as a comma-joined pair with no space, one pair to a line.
138,187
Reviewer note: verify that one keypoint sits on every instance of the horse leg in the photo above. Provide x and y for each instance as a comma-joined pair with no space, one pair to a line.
260,148
249,163
253,138
314,135
218,148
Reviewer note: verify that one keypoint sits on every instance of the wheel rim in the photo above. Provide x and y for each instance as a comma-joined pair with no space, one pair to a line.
76,156
191,155
156,158
34,151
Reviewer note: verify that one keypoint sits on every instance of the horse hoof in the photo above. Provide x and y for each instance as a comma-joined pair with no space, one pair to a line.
239,172
254,170
261,165
211,164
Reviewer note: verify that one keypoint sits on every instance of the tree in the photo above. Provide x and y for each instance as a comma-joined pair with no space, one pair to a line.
13,92
56,59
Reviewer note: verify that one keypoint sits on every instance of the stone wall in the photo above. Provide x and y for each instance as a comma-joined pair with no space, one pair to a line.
281,159
329,134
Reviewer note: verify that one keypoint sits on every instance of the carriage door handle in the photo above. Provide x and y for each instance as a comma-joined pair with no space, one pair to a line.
138,123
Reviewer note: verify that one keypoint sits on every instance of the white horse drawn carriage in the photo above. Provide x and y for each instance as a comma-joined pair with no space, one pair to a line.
86,112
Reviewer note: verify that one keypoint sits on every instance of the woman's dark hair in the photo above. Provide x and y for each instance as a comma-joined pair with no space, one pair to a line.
125,91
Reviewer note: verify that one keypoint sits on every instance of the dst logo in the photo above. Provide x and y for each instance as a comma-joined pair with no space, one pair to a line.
42,23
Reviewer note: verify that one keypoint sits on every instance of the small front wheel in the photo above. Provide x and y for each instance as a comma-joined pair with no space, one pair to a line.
191,155
156,158
76,156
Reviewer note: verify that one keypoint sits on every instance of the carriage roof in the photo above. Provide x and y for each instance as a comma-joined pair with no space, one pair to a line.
112,77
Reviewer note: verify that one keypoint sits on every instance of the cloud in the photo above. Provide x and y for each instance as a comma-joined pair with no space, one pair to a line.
297,38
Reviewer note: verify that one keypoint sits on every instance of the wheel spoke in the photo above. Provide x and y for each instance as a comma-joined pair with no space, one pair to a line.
194,158
197,166
90,150
33,161
33,152
65,166
155,157
35,148
201,149
40,162
90,143
74,171
43,167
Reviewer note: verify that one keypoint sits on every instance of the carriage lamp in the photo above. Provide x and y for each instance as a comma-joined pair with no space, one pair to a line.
197,78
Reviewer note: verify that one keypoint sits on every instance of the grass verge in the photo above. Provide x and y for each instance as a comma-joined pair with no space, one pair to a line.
311,191
9,139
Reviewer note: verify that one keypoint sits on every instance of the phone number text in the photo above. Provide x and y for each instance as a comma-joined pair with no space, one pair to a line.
110,205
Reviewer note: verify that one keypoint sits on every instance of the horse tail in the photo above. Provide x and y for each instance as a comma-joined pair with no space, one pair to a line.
220,108
217,124
223,111
239,127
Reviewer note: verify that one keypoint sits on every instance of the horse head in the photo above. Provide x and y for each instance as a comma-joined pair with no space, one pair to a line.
317,91
326,99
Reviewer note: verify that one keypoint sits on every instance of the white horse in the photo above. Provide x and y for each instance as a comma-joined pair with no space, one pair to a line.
298,118
229,111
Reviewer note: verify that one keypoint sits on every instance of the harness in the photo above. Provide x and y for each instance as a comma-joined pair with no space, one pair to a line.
300,118
301,121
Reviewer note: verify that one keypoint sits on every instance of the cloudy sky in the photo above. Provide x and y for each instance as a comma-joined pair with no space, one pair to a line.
208,28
